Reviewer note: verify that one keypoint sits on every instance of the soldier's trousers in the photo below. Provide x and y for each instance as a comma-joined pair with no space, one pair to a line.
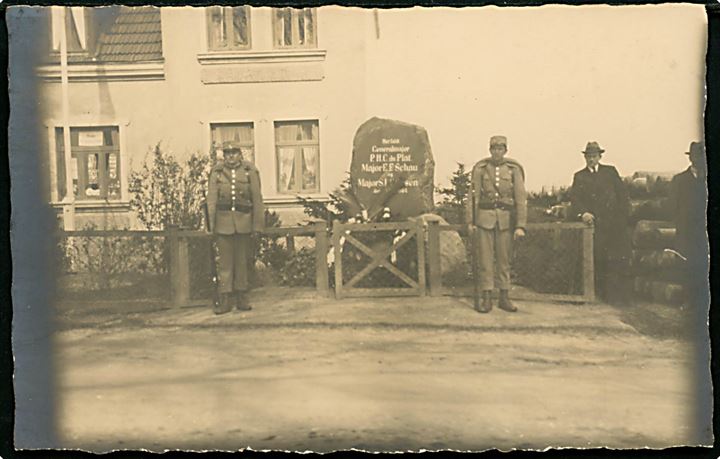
234,253
494,247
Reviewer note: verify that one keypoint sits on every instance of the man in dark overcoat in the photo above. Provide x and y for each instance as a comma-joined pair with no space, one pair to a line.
689,200
235,212
599,198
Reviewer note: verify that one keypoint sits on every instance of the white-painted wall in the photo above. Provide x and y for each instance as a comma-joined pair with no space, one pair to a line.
550,78
177,111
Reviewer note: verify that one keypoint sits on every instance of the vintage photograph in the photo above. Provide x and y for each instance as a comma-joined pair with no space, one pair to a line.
332,228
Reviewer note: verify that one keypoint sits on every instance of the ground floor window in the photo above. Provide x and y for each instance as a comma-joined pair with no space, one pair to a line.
94,165
242,133
297,145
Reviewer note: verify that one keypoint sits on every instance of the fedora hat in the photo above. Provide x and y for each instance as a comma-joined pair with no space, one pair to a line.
696,147
592,147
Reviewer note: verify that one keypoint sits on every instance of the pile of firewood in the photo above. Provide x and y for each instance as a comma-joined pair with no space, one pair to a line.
657,268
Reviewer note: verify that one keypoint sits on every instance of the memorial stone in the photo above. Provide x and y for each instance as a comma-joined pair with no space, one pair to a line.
392,166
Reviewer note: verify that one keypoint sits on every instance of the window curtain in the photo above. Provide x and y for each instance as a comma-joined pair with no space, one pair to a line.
283,27
301,26
309,26
217,26
113,182
78,17
74,27
240,26
294,132
310,167
288,132
286,162
238,133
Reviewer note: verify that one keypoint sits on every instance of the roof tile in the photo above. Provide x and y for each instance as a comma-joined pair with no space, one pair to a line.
136,35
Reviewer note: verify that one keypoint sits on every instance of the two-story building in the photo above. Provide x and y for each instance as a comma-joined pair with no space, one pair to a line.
288,83
294,85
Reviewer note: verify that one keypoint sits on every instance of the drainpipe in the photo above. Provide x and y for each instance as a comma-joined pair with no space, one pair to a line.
377,22
69,199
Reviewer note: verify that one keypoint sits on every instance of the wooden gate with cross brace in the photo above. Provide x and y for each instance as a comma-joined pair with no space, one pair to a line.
344,235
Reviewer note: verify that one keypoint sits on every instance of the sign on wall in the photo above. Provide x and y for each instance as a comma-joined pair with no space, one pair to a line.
90,139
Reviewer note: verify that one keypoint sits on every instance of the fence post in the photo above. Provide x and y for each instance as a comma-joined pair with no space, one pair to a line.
179,267
588,265
434,268
420,235
290,242
322,281
171,239
337,233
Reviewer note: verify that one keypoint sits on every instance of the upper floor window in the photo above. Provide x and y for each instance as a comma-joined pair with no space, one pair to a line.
294,28
298,156
95,162
238,132
228,27
116,34
76,26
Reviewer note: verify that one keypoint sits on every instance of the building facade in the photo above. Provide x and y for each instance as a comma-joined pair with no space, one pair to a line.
294,85
287,83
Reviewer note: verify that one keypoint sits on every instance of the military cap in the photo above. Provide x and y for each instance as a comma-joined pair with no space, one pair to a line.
592,147
498,140
696,148
231,145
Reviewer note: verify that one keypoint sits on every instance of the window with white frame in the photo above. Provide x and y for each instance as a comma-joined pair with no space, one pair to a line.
297,144
294,28
243,133
77,28
95,162
228,27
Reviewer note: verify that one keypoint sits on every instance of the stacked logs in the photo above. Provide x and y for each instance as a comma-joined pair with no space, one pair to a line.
649,185
657,268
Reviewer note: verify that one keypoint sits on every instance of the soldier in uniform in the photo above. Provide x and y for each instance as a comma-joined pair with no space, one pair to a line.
599,198
498,193
235,211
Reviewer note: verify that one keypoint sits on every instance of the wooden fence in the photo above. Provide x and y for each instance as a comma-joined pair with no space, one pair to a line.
430,283
344,234
436,287
179,254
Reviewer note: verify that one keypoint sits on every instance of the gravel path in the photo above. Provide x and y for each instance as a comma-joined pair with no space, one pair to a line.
306,373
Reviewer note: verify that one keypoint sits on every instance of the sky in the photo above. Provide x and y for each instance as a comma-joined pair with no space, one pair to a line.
550,78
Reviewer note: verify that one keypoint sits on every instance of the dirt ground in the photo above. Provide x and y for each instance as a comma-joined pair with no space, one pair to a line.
300,372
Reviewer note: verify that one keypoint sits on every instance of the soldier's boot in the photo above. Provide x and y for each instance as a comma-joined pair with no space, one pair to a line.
504,302
224,304
486,305
241,302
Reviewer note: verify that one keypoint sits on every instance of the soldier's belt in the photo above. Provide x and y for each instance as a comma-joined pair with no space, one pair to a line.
495,205
237,207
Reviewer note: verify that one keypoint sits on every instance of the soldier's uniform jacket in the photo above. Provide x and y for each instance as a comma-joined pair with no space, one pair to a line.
235,203
499,191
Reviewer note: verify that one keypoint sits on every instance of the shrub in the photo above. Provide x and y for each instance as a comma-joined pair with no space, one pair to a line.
452,207
283,266
341,207
166,193
298,269
107,260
